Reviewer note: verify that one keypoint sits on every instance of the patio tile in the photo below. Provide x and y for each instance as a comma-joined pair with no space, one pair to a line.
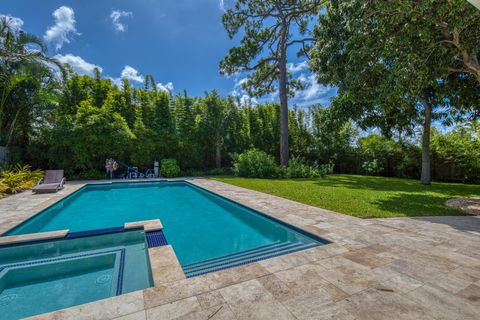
173,291
367,257
471,293
444,305
103,309
141,315
210,299
284,262
250,300
372,304
220,312
231,276
400,284
174,310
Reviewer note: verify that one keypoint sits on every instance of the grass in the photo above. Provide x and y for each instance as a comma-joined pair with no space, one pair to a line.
364,196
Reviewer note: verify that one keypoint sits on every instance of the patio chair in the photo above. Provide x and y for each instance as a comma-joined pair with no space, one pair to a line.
53,181
150,173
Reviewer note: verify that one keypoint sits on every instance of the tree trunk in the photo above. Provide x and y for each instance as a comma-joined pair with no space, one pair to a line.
218,151
282,68
426,171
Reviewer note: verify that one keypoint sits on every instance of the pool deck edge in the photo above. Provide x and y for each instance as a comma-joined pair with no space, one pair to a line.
33,237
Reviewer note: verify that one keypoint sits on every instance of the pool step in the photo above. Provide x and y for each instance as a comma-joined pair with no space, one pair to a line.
244,257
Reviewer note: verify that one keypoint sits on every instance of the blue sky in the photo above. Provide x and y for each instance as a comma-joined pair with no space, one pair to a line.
180,42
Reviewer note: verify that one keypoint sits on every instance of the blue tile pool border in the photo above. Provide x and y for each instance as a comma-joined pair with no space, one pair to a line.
156,239
245,261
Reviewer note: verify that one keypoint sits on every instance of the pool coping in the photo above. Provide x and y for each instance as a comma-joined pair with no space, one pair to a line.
164,272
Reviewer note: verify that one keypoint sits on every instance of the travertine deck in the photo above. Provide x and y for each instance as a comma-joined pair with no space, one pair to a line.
424,268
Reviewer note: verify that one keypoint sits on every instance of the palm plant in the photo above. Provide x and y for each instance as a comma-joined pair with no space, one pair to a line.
23,58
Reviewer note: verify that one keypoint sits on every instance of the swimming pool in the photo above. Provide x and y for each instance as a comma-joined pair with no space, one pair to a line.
42,277
206,230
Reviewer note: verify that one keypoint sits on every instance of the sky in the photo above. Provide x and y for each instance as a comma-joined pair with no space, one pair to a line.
179,42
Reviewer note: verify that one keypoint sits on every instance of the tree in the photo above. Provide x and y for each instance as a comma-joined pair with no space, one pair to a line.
393,65
25,69
212,121
270,28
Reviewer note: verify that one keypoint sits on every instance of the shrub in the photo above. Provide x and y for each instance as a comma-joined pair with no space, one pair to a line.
18,179
325,169
373,167
297,168
169,168
255,164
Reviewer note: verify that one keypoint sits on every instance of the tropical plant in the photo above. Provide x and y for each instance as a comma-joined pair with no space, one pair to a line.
25,71
19,178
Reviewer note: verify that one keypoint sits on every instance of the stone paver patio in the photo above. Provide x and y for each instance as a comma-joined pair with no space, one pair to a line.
400,268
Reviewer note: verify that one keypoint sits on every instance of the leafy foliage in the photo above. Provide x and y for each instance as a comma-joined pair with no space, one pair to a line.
76,122
297,168
400,63
268,29
169,168
18,178
255,163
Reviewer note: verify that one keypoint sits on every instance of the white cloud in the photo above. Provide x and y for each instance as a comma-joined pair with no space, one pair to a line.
63,28
116,15
313,92
239,92
221,5
168,87
131,74
14,22
77,63
297,67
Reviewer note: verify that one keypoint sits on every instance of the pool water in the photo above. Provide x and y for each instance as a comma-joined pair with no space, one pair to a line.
198,224
42,277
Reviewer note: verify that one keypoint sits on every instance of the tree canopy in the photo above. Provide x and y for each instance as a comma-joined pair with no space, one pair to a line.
396,65
269,29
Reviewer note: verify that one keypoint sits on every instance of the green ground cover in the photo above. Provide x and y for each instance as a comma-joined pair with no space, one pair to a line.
365,196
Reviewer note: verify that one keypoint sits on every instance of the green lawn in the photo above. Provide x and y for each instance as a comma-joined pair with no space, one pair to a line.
363,196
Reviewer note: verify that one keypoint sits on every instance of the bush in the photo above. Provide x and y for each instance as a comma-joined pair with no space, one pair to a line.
297,168
255,164
18,179
169,168
325,169
373,167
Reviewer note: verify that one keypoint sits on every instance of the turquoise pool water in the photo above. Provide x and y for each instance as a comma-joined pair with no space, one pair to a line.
198,224
43,277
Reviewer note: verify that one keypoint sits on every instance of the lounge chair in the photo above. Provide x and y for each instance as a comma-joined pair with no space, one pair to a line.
52,182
